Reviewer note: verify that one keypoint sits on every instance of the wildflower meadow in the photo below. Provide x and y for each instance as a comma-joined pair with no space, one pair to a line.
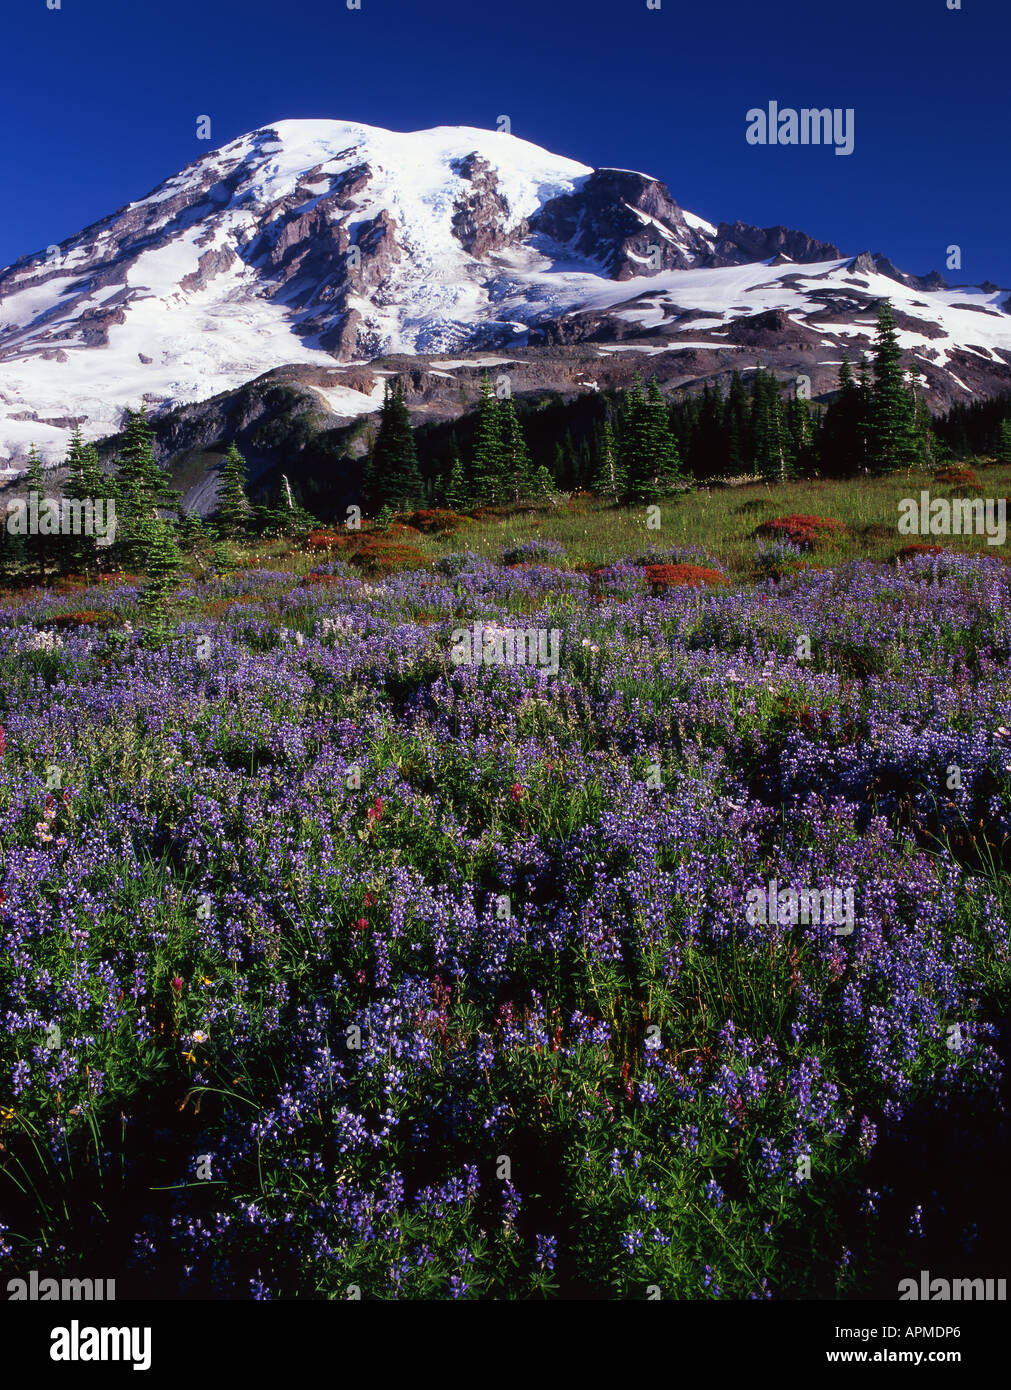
339,964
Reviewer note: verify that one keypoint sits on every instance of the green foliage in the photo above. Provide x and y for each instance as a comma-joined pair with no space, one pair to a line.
393,478
141,488
455,492
488,469
891,426
1004,442
647,464
517,471
608,481
231,517
162,566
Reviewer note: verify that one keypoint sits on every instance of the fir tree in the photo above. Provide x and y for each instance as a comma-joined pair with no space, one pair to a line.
891,424
800,433
737,423
841,437
39,548
517,470
924,451
772,460
454,489
140,488
394,476
636,445
544,486
86,485
662,444
1004,441
232,515
489,466
162,565
608,481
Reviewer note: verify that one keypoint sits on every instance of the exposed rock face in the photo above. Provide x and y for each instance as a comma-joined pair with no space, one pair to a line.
480,216
737,243
627,222
211,263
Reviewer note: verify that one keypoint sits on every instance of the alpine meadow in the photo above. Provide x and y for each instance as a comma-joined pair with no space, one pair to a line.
505,689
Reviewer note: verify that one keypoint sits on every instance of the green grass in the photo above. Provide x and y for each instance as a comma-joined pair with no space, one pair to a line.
719,520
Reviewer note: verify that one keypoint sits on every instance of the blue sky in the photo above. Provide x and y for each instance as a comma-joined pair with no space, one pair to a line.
101,100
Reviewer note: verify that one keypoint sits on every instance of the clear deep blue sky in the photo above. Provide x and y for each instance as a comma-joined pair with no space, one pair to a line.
101,98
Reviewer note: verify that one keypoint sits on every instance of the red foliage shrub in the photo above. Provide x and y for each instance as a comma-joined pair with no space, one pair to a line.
328,540
806,531
87,617
436,519
662,577
956,474
378,556
325,579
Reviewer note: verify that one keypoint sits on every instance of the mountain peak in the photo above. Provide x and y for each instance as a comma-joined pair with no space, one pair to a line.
315,241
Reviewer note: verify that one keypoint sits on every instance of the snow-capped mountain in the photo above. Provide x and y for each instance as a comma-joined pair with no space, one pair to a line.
312,243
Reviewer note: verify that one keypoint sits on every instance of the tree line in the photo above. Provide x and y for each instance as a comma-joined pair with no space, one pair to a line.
638,445
639,448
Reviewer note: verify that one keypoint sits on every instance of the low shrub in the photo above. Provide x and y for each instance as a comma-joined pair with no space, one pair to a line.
805,531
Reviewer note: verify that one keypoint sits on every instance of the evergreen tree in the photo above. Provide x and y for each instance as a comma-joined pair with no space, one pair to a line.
39,549
924,451
891,424
841,437
517,470
86,485
489,466
394,476
773,460
662,444
455,494
608,481
140,487
706,449
143,483
194,539
637,445
286,516
800,434
737,423
231,517
1004,442
544,486
163,566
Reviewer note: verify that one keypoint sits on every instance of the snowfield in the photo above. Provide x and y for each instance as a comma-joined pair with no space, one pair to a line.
114,322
